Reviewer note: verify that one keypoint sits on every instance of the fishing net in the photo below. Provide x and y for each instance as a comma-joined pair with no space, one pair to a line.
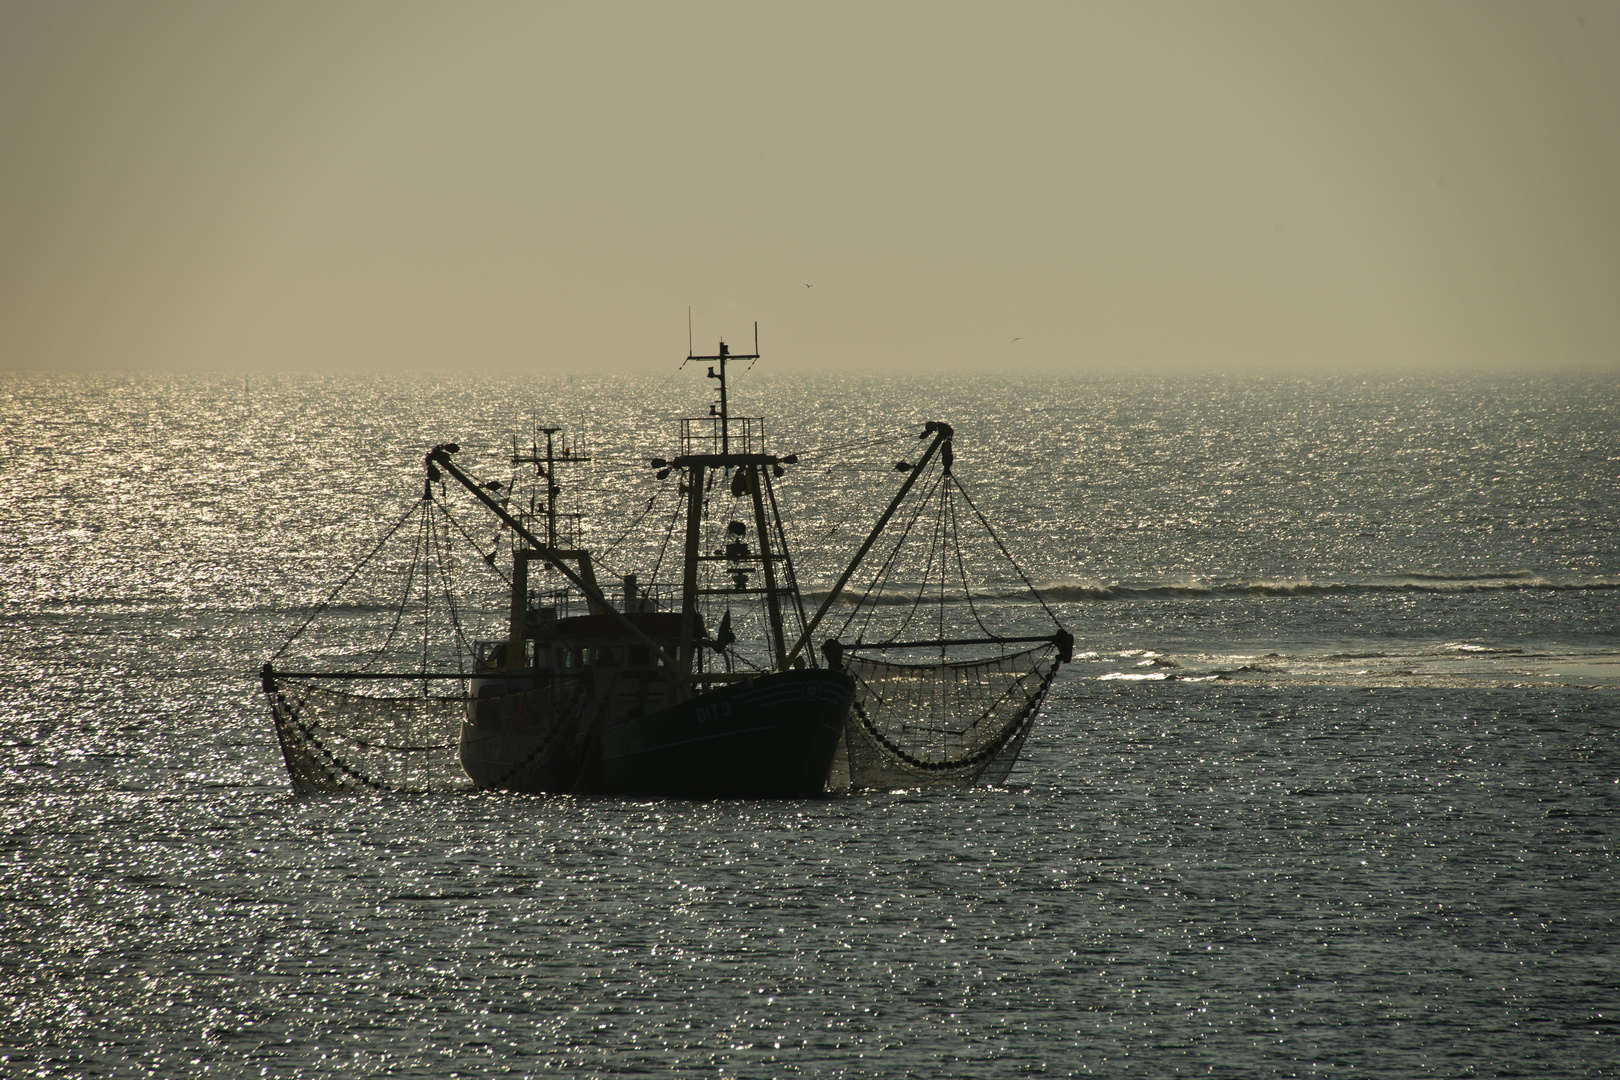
336,742
944,725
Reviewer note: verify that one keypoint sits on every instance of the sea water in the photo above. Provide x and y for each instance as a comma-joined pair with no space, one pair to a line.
1330,788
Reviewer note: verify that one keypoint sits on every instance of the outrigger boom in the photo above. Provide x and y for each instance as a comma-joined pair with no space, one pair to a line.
942,438
440,455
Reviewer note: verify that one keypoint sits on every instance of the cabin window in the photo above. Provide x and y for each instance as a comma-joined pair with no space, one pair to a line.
609,655
639,656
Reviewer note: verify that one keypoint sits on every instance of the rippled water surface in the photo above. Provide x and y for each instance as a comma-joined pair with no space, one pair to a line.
1331,789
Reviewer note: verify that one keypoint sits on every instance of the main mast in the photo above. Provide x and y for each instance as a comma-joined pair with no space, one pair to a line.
735,448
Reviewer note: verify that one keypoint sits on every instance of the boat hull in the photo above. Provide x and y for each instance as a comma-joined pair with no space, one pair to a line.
772,737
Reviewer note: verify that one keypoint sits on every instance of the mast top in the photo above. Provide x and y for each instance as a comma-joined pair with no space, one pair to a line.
723,354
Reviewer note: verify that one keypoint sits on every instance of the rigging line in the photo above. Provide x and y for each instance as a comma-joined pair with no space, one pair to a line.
944,522
883,570
405,596
855,507
877,441
653,394
450,604
961,567
333,595
663,547
639,461
628,529
1008,555
790,579
934,543
427,597
489,559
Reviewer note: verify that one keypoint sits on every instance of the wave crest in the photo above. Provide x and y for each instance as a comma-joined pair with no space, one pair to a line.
1518,581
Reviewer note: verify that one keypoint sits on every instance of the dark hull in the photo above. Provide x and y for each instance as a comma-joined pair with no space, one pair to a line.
772,737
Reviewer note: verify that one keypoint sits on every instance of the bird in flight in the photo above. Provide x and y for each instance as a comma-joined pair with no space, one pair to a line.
1015,339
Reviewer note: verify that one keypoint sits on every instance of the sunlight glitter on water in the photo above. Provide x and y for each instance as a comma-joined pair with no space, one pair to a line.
1318,865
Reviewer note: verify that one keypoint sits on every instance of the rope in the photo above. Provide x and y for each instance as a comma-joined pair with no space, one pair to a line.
886,718
489,559
333,595
663,547
1006,554
887,563
915,762
463,648
307,740
961,569
790,578
878,441
628,529
934,544
405,597
854,508
427,596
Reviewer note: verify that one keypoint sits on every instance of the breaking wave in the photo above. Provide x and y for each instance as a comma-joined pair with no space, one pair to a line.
1521,581
1078,591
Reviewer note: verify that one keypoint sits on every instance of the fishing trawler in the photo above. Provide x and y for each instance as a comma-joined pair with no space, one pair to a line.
626,699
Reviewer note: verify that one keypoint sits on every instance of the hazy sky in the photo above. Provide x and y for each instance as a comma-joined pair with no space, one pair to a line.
1215,186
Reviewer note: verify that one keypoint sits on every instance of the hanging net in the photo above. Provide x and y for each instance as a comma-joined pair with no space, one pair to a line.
960,718
336,742
358,730
945,724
